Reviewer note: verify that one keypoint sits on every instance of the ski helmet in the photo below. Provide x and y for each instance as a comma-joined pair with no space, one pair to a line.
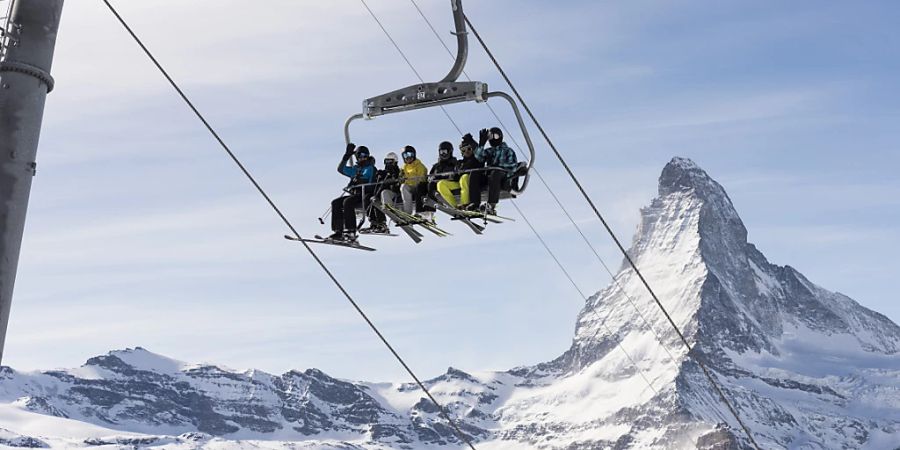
390,158
496,136
409,152
445,150
362,152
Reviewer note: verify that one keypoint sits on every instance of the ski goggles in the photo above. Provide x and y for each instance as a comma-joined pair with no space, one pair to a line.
496,136
444,153
409,155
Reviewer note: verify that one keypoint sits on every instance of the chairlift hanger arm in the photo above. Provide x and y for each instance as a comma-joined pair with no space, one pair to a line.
445,92
462,42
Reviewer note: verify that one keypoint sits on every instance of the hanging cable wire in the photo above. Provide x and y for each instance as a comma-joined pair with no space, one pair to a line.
552,255
442,411
408,63
565,272
557,200
615,238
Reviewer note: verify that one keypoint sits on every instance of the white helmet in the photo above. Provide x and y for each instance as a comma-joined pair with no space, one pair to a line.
391,156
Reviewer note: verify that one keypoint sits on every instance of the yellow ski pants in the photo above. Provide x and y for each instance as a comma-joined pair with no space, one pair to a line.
446,187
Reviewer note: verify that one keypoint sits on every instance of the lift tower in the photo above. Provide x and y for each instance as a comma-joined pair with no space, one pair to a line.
28,39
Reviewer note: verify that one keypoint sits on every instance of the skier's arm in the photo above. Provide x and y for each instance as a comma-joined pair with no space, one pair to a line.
342,167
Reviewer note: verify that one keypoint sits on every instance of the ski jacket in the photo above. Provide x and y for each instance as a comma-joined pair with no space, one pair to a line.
500,156
467,163
414,173
444,166
391,174
358,173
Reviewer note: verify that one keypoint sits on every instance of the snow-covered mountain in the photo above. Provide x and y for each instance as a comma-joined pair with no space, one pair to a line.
805,368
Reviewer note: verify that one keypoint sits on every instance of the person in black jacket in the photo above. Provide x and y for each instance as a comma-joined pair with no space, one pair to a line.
387,190
443,169
464,170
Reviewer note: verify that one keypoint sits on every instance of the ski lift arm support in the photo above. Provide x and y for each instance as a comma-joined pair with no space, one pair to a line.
347,126
462,42
525,134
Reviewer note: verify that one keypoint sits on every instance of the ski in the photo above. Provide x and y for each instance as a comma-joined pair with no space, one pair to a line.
372,233
456,214
320,240
488,217
409,219
408,229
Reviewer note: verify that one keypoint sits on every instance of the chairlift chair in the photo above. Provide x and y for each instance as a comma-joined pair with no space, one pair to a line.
445,92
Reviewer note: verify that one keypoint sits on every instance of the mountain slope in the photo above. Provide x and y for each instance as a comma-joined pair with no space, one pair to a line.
805,368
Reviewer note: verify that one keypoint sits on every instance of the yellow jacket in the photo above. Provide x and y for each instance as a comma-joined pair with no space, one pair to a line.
414,173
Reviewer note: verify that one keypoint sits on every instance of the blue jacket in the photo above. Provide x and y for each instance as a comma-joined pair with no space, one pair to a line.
500,156
358,174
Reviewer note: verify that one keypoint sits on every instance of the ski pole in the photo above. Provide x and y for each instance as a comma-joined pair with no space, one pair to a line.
324,214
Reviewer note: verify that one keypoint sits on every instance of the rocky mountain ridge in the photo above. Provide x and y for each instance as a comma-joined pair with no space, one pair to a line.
805,368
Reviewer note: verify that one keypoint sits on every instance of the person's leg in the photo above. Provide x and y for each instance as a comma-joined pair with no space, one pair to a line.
337,215
476,184
464,189
350,205
408,193
496,181
376,217
445,188
389,197
420,193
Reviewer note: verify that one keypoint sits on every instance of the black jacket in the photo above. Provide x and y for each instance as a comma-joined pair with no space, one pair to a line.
444,166
391,174
468,164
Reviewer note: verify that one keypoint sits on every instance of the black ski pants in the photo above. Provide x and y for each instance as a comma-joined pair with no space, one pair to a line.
490,179
343,211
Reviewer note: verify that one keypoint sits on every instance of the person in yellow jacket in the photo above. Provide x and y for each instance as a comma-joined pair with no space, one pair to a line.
461,181
414,174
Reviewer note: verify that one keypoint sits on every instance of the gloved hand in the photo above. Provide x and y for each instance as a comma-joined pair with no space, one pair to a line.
350,148
482,137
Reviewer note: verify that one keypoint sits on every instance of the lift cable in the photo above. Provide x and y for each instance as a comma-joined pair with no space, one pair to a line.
583,296
536,233
287,222
609,230
408,63
560,204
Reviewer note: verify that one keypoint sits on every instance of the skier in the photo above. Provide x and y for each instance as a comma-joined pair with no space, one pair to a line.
442,170
503,161
414,174
343,208
464,168
387,190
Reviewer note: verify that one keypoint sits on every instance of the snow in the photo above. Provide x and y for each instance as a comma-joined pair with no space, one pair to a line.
806,368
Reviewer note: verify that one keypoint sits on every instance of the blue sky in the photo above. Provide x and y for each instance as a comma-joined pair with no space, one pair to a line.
142,233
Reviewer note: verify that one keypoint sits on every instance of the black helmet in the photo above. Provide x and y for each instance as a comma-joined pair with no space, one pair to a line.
409,152
495,137
445,150
467,144
362,152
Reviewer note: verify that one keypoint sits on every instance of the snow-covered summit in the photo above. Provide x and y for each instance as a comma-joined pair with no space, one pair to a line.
805,368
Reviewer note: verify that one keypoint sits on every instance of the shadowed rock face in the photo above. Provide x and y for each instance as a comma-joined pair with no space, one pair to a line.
805,367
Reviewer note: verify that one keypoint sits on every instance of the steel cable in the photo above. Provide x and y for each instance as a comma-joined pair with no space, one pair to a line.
615,238
249,176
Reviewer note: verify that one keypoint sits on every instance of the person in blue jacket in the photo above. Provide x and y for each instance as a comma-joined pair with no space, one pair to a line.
343,208
503,161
